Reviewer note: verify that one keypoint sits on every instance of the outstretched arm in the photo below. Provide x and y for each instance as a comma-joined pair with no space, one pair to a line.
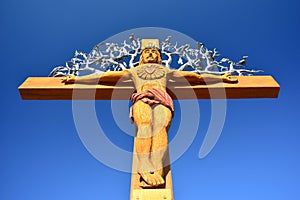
202,79
111,76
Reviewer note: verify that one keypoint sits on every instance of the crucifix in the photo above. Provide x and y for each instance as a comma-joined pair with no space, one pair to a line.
151,87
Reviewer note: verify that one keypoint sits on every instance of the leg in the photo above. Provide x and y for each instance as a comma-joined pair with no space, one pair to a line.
142,114
162,117
143,118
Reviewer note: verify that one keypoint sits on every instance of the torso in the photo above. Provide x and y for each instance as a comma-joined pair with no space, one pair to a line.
148,76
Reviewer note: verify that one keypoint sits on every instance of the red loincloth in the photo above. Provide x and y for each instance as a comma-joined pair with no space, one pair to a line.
152,96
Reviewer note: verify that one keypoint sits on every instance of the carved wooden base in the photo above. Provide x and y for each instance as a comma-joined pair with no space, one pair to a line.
152,194
164,192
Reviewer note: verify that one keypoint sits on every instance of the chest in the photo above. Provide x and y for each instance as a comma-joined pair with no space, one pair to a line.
149,72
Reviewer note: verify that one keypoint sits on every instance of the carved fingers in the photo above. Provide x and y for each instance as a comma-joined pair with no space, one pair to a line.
69,79
228,78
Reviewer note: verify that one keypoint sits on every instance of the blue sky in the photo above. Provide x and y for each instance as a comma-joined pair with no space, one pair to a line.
257,155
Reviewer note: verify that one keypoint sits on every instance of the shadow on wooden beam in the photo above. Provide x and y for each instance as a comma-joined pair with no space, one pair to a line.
49,88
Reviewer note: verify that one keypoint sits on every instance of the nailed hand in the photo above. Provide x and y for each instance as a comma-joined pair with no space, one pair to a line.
68,79
227,78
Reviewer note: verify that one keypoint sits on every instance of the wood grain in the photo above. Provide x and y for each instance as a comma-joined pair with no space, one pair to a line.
49,88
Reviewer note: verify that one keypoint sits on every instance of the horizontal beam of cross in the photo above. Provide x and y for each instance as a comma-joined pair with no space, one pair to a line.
50,88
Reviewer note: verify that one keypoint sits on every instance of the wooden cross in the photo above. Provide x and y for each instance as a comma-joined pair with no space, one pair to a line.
49,88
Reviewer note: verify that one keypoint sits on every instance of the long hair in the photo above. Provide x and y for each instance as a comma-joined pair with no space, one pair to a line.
159,60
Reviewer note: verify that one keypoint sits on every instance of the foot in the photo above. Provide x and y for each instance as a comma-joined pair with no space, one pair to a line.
151,179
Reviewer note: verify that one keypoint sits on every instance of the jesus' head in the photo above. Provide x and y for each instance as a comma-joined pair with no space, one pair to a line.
150,55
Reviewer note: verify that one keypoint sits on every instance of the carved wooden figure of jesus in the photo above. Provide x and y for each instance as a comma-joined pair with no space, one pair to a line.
152,108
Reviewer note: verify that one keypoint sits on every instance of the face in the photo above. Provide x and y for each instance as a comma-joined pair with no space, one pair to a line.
150,55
